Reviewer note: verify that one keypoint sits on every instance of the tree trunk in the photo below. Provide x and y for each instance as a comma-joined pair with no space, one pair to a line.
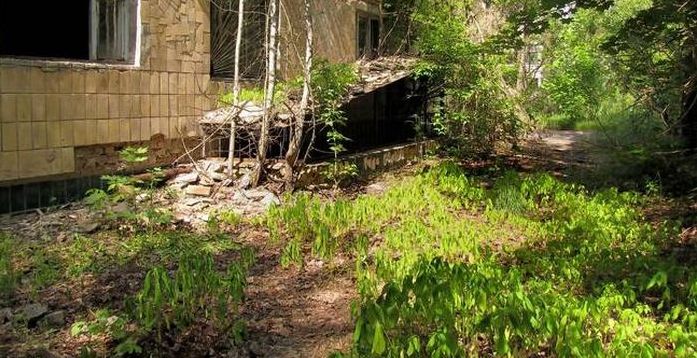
236,86
270,87
299,125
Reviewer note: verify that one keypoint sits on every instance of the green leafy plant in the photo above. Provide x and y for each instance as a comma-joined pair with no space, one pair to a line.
8,275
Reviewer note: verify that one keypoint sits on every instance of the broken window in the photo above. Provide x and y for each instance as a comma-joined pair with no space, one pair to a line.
96,30
224,36
368,35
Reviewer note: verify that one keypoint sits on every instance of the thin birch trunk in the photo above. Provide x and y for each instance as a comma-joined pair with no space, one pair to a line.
299,126
272,53
236,87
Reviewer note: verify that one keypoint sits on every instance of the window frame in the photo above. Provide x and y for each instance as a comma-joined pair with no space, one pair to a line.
132,58
371,50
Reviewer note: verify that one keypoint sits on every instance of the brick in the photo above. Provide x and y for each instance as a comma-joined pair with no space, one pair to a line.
8,108
134,83
67,137
103,131
24,140
39,135
53,134
9,137
114,130
91,106
198,190
24,108
173,125
90,131
80,133
53,107
102,106
14,80
9,166
135,106
124,130
38,107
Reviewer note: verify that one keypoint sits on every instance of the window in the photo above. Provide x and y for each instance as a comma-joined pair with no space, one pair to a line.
224,36
368,35
90,30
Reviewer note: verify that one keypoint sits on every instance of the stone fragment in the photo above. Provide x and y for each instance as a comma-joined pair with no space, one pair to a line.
186,178
198,190
87,227
32,313
55,319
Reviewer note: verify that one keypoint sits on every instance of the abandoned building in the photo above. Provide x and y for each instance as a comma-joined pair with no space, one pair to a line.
87,78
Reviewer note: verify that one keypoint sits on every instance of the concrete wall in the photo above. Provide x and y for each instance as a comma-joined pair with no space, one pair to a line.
334,31
58,118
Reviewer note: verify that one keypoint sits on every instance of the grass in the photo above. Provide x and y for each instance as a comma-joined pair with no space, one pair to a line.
527,265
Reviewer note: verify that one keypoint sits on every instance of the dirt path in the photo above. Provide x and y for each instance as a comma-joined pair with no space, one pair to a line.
298,312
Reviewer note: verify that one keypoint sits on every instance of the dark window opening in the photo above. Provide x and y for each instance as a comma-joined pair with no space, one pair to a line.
224,36
94,30
368,36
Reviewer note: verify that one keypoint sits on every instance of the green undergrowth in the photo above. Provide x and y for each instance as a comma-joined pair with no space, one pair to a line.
449,265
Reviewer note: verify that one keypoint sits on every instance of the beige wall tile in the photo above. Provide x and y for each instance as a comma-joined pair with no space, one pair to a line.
24,136
24,108
78,82
173,106
8,108
66,107
124,130
114,131
9,165
65,82
91,82
78,102
125,82
39,135
145,129
38,163
103,131
155,83
90,131
91,106
114,81
134,124
114,110
164,83
124,106
38,107
53,107
67,137
53,134
67,160
52,82
102,106
9,137
134,84
173,83
145,105
103,82
155,126
144,82
37,80
164,106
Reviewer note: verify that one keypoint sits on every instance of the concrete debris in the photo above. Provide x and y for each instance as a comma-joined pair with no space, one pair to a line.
32,313
55,319
87,227
199,190
187,178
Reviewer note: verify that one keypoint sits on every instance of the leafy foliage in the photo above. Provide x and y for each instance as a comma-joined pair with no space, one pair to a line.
589,279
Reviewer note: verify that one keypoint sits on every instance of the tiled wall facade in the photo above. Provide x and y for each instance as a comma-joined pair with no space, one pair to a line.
54,113
50,109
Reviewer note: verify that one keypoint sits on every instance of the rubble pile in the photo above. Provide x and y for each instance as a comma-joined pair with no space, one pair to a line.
207,187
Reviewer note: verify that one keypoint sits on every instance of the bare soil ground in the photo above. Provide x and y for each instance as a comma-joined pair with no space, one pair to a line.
294,312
